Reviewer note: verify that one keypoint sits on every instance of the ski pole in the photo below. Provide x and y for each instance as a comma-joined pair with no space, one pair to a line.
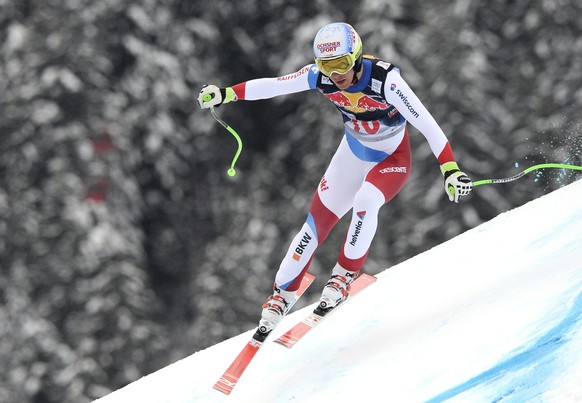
231,171
526,171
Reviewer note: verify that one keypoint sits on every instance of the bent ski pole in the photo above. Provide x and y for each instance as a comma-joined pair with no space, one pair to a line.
231,171
526,171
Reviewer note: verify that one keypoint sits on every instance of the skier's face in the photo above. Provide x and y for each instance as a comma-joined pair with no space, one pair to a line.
343,81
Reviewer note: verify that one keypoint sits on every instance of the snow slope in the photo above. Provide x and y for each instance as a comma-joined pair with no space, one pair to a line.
493,315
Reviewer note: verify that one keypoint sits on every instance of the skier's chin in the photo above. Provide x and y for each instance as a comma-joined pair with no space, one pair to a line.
342,84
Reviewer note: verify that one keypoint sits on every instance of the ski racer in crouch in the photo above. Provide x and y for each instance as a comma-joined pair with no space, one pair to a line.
370,166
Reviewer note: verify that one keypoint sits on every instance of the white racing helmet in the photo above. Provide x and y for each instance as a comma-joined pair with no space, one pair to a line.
337,48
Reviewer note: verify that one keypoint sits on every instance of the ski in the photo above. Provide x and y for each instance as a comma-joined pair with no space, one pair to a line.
229,379
293,335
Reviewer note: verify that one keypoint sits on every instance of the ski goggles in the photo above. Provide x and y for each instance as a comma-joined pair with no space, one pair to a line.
339,65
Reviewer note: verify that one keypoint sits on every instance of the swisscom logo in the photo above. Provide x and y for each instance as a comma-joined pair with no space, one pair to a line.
404,99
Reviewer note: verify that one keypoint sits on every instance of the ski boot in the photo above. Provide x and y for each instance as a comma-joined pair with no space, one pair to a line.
275,308
337,288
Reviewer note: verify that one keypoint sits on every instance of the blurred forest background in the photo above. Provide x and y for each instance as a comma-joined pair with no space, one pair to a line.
124,246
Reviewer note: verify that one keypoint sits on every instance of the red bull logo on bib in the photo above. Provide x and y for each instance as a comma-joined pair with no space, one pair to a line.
356,102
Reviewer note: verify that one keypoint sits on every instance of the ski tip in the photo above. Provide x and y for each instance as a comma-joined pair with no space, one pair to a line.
308,278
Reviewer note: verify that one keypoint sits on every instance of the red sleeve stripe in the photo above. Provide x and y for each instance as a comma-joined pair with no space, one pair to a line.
446,155
240,90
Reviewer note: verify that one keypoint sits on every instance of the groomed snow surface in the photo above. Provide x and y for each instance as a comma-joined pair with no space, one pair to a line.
494,315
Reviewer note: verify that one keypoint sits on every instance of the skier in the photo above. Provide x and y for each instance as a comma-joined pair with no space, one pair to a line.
370,166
